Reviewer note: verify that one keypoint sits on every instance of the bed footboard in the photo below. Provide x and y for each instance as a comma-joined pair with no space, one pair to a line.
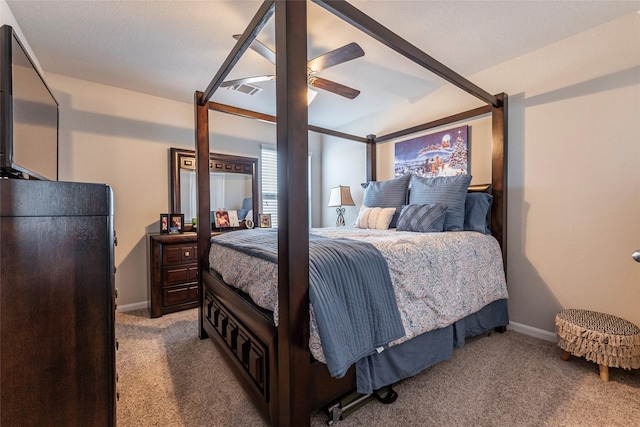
247,336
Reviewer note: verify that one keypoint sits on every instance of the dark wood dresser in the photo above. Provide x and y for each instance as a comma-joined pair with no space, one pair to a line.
57,304
173,273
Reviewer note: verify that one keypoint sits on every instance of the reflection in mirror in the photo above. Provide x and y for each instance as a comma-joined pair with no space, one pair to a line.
232,180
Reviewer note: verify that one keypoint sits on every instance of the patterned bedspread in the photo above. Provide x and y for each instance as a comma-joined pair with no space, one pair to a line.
438,278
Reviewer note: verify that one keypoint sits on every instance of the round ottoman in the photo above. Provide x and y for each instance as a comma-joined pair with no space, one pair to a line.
601,338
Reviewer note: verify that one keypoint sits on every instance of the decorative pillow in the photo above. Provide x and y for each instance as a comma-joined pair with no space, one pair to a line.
387,194
242,214
394,219
477,208
450,191
422,218
376,218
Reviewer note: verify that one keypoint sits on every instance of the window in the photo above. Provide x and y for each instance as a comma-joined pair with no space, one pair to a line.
269,182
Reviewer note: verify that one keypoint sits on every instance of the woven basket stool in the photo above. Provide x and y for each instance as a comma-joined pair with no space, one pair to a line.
601,338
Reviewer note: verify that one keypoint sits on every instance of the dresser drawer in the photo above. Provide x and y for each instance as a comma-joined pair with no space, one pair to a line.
178,275
180,295
178,254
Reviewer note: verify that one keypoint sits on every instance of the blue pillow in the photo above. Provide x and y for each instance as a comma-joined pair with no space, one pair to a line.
247,203
242,214
477,209
394,218
422,218
450,191
387,194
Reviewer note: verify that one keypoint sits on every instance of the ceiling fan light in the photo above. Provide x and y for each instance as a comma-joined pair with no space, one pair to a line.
311,94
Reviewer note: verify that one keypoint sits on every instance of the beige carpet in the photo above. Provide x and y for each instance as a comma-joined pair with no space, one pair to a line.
169,377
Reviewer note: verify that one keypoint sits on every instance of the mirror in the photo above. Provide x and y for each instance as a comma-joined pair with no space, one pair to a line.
233,181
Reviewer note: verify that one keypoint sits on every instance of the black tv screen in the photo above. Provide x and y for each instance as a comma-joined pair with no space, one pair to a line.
28,114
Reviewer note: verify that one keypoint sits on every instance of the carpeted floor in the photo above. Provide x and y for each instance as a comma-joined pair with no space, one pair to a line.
169,377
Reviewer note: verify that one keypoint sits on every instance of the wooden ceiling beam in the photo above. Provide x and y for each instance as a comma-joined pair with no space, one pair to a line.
436,123
224,108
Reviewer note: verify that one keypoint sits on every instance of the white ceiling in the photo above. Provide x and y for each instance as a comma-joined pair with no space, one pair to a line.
173,48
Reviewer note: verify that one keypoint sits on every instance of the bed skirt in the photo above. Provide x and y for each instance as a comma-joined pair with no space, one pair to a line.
410,357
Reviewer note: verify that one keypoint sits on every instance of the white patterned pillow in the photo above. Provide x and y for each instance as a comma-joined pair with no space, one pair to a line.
376,218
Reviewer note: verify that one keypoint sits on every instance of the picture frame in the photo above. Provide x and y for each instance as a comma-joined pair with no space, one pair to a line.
444,153
164,223
176,223
233,219
222,219
265,220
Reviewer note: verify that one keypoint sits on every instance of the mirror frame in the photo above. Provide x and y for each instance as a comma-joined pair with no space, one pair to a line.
217,163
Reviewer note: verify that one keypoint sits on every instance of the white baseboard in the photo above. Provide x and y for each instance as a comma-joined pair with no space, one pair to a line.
131,307
534,332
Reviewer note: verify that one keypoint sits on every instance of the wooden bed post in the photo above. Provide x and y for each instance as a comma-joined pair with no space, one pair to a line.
371,158
294,405
499,131
203,200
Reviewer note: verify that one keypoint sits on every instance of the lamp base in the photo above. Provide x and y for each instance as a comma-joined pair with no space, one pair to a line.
340,220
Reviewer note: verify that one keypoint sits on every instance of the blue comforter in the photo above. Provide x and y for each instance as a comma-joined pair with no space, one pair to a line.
349,288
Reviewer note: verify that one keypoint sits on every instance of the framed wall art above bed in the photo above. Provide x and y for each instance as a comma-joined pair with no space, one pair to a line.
443,153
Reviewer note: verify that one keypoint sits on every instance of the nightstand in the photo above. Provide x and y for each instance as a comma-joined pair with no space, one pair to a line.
173,273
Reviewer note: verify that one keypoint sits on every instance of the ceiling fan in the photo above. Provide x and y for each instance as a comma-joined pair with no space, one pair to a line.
322,62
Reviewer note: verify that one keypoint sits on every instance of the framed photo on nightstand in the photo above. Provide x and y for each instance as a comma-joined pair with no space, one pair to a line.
233,219
265,220
176,223
222,219
164,223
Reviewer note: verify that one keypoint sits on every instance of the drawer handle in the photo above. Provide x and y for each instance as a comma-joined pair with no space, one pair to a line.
187,253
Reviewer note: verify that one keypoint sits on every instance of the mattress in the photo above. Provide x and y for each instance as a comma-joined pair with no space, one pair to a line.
438,278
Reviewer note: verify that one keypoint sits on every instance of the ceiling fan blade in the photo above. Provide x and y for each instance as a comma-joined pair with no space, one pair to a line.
261,49
247,80
335,57
334,87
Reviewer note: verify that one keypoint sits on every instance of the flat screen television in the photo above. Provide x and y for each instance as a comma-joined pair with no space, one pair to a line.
28,115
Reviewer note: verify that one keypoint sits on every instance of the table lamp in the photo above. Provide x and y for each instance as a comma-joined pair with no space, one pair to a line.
340,196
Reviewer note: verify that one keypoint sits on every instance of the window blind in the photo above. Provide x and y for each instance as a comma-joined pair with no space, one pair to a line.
269,182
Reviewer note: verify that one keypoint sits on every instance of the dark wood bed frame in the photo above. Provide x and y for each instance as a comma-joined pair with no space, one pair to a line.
273,364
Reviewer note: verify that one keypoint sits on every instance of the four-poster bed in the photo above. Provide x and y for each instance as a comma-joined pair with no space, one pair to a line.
275,363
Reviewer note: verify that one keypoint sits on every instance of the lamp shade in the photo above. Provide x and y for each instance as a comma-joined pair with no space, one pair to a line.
340,196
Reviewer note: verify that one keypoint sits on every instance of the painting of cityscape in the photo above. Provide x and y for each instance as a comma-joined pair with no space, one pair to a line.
444,153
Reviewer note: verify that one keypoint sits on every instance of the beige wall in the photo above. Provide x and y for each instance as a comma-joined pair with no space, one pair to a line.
574,171
574,175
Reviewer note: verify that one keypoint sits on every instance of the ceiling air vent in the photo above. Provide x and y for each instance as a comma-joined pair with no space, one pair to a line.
245,88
